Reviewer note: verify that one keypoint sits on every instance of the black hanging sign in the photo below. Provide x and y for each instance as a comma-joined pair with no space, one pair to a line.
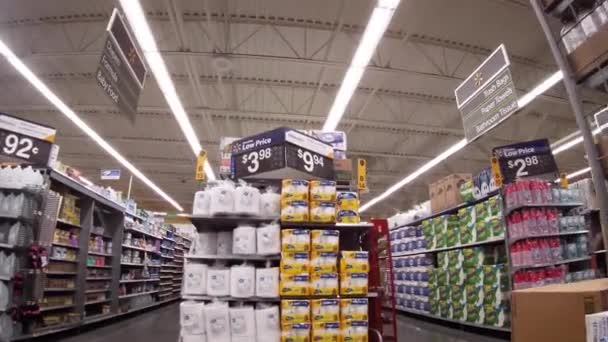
526,159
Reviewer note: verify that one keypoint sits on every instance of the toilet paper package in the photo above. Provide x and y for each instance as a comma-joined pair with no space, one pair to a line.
354,331
242,323
323,190
324,262
202,203
294,285
270,204
324,284
295,240
267,324
243,240
217,322
353,284
295,262
295,311
242,281
247,200
294,190
348,216
327,240
222,198
4,296
325,310
326,331
267,282
354,261
294,211
218,281
192,319
206,243
322,212
353,309
337,139
443,260
195,279
224,243
269,239
347,200
295,332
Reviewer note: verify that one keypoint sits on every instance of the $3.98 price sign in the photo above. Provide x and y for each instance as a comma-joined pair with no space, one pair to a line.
23,147
259,161
252,159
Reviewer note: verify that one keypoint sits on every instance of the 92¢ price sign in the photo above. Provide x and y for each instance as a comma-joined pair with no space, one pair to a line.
26,148
527,159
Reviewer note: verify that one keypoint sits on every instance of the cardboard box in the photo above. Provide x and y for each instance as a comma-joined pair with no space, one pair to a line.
451,188
556,313
436,196
590,55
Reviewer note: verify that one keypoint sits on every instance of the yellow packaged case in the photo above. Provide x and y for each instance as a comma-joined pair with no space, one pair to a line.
323,190
353,284
324,262
296,332
295,311
295,263
294,211
354,331
294,285
325,310
324,284
295,240
347,216
354,261
326,331
327,240
294,190
323,212
347,200
353,309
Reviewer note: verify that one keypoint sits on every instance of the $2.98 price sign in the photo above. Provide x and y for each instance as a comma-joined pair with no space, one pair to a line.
527,159
23,147
522,165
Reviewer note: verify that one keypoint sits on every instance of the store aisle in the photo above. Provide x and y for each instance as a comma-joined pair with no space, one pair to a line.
411,329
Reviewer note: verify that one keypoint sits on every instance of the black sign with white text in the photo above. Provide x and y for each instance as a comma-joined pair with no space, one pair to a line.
26,148
310,162
258,161
527,159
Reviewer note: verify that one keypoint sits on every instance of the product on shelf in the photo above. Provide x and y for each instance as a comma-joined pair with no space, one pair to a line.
222,198
195,279
270,203
295,240
244,240
225,243
295,284
218,281
325,310
267,323
325,240
355,283
325,331
322,190
297,332
322,212
294,190
242,281
354,261
269,239
267,282
353,309
357,331
191,320
247,200
445,193
19,177
217,321
324,262
242,324
295,262
347,206
294,211
295,311
324,284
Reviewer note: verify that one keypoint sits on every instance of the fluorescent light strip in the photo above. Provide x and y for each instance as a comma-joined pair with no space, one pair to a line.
568,145
136,17
575,174
374,31
67,111
540,89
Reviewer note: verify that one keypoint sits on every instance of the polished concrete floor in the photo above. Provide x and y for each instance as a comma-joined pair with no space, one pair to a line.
161,325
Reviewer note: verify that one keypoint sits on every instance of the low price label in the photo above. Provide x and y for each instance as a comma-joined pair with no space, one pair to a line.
310,162
258,161
528,159
32,150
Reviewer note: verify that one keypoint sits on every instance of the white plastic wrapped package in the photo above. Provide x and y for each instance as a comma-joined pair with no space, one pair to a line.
247,200
217,322
267,282
202,203
192,319
242,281
322,190
7,264
222,198
224,243
243,240
269,239
195,279
6,327
3,296
270,204
206,243
242,324
267,323
218,281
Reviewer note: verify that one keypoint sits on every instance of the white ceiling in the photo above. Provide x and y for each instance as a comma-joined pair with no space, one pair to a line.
288,58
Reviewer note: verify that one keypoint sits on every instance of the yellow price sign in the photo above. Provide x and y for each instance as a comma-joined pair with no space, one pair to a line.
496,171
200,165
361,174
563,180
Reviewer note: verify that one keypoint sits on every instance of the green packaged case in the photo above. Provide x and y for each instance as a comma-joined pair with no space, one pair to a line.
466,223
475,313
429,233
456,276
439,227
466,190
473,256
455,258
443,260
452,233
483,230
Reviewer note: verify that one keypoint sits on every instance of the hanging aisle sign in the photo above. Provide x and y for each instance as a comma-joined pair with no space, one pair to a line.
526,159
110,174
26,140
488,96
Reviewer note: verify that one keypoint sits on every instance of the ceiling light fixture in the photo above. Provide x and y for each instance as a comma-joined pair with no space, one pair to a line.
540,89
575,173
136,17
70,114
374,31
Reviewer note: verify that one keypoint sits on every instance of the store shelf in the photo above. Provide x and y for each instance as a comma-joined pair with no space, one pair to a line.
6,246
97,291
65,245
101,301
601,251
578,232
167,248
58,307
131,264
5,278
137,294
168,239
100,234
141,218
337,226
99,254
99,266
99,278
60,273
74,185
56,289
140,249
233,257
368,295
144,233
227,222
231,299
139,281
63,260
569,205
425,314
472,244
68,223
166,256
562,262
96,318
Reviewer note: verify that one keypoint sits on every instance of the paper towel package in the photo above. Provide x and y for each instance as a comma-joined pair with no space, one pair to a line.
353,309
218,281
267,282
295,211
269,239
192,318
324,284
295,262
243,240
294,284
202,202
295,332
267,323
270,204
242,281
326,332
325,310
195,279
354,261
222,199
217,322
242,322
295,311
355,330
322,190
294,190
324,262
597,327
295,240
353,284
326,240
206,243
247,200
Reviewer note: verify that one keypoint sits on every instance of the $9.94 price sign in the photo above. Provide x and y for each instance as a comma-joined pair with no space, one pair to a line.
32,150
528,159
310,159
